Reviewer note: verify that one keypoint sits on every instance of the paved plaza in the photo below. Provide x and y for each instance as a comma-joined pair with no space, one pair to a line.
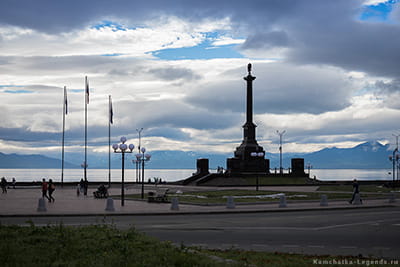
24,201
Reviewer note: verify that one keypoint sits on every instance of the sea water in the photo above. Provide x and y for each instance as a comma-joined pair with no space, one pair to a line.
171,175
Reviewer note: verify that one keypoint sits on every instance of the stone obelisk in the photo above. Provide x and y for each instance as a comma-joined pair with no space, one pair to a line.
249,133
244,161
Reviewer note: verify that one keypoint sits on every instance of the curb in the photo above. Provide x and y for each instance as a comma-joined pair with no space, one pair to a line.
195,212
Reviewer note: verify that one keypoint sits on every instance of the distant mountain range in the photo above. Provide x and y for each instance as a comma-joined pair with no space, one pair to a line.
369,155
16,161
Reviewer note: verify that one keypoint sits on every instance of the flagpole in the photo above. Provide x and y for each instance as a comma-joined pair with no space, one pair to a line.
63,136
109,140
86,102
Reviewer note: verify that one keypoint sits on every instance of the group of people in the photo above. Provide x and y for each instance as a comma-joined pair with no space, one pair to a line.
48,187
4,184
82,187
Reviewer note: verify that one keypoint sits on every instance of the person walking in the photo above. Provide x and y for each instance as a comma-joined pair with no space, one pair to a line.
81,185
44,189
51,190
85,187
4,185
14,182
356,190
78,190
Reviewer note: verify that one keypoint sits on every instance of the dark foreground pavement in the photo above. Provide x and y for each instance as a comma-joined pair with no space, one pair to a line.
371,229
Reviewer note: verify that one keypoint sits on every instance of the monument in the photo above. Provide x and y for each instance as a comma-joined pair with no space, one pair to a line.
249,156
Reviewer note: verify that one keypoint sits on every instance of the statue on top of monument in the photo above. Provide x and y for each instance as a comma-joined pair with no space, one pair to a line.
249,68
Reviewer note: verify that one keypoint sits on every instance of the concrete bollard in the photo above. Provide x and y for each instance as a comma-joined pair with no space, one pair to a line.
282,201
357,199
392,198
324,201
41,205
230,203
175,204
110,204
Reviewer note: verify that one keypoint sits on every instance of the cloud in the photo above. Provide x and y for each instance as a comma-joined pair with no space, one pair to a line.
267,40
25,135
304,32
226,40
169,133
389,91
323,73
389,87
170,74
173,114
108,39
280,88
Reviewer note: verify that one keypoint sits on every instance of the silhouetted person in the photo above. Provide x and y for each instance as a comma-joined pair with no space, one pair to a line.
356,190
85,187
14,182
4,185
44,189
51,190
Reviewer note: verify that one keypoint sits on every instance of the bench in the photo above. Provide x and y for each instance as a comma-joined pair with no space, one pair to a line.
158,196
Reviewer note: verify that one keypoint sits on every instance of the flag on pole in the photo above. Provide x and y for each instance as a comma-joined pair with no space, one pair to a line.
87,89
111,111
65,100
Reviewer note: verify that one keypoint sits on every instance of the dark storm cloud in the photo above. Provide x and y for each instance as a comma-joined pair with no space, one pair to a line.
323,32
47,15
21,134
50,16
371,48
329,32
266,40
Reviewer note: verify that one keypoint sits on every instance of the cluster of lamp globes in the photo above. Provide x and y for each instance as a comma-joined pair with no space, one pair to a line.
257,154
124,147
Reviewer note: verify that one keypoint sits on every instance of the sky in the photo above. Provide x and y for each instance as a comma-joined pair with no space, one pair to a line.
328,73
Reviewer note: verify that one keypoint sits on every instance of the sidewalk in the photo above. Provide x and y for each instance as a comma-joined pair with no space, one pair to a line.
24,202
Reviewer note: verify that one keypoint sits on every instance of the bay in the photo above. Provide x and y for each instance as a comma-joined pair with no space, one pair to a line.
93,175
170,175
351,174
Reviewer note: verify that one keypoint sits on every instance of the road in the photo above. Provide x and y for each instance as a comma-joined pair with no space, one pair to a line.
369,232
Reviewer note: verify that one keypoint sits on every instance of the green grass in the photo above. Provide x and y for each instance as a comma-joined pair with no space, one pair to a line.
89,246
220,196
284,180
253,258
104,245
349,188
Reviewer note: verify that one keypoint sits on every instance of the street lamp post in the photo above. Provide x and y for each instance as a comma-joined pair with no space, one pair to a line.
141,157
261,155
398,166
139,131
280,150
393,159
397,155
123,148
309,166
